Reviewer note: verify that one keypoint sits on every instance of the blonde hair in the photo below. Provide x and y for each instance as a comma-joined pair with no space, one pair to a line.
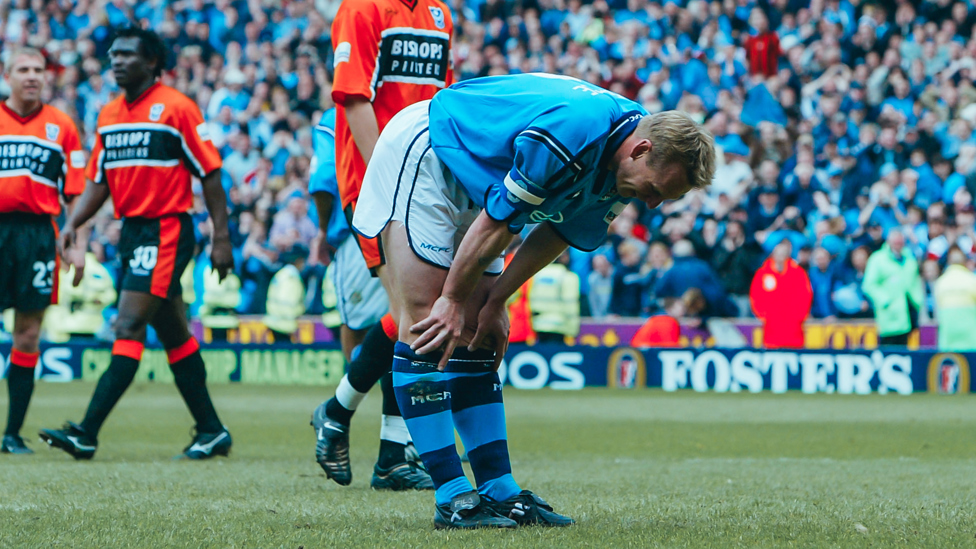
678,139
19,51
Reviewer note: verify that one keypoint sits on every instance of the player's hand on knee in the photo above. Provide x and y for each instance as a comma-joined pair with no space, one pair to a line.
440,330
492,332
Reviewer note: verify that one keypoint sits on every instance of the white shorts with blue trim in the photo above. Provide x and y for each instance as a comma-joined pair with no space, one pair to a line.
361,299
406,182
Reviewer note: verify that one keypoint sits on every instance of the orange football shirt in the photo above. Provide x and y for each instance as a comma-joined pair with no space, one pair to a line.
40,156
392,52
149,151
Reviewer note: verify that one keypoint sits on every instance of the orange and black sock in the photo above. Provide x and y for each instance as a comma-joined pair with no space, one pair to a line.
20,387
190,375
126,355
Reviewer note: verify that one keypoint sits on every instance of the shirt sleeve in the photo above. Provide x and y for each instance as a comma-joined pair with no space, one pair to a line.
323,167
449,75
199,153
74,162
355,39
541,159
96,162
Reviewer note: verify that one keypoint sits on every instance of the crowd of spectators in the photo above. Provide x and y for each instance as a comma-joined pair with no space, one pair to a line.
837,122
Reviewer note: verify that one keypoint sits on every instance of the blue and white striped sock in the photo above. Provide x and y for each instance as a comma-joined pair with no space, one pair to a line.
479,416
425,401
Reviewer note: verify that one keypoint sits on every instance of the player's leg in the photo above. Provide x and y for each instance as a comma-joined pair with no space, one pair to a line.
28,284
135,310
190,375
349,339
478,412
147,248
423,391
362,304
20,377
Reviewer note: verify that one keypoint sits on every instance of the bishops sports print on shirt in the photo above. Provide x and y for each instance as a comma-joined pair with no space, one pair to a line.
40,157
412,55
143,145
393,53
42,162
148,165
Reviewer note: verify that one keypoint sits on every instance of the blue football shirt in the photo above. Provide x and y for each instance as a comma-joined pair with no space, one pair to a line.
530,148
323,178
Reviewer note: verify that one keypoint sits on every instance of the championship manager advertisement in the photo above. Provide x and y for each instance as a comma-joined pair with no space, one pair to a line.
569,368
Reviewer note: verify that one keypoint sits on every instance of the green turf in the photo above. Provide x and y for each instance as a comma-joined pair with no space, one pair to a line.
636,469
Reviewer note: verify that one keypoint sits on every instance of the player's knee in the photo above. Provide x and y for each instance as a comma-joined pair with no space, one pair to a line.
27,337
131,328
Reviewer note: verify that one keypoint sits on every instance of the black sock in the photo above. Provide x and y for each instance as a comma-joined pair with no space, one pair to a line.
391,453
375,359
20,387
337,412
109,390
190,376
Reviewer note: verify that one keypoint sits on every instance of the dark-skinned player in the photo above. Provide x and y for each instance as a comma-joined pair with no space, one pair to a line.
151,141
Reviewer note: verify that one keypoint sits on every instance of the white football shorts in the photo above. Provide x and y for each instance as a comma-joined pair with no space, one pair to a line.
406,182
362,300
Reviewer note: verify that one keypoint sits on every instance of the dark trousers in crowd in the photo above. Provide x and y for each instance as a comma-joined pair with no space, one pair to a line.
901,339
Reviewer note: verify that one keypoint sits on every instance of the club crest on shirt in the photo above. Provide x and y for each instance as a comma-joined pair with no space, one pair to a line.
156,112
52,131
438,15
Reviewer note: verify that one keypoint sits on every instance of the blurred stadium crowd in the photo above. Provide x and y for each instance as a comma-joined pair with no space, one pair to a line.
837,121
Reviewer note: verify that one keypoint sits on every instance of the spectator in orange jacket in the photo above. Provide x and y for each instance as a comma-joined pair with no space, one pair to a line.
664,330
781,297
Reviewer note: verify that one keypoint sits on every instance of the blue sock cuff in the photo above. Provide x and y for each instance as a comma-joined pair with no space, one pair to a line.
449,490
407,361
479,361
501,488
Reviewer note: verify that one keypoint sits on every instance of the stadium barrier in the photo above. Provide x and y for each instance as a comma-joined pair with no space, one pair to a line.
606,333
561,367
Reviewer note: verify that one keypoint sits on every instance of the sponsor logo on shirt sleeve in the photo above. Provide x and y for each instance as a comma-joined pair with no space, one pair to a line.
203,132
77,159
342,54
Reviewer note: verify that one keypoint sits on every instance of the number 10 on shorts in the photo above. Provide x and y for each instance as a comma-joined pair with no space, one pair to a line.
143,259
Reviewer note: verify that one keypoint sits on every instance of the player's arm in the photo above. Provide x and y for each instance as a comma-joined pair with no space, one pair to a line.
323,186
541,247
82,209
362,123
356,34
482,244
75,255
74,185
324,202
221,256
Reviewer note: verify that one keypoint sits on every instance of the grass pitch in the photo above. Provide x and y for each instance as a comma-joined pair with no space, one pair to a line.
636,469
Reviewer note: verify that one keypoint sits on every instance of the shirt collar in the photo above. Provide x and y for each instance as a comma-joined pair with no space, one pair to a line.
619,132
142,96
22,119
